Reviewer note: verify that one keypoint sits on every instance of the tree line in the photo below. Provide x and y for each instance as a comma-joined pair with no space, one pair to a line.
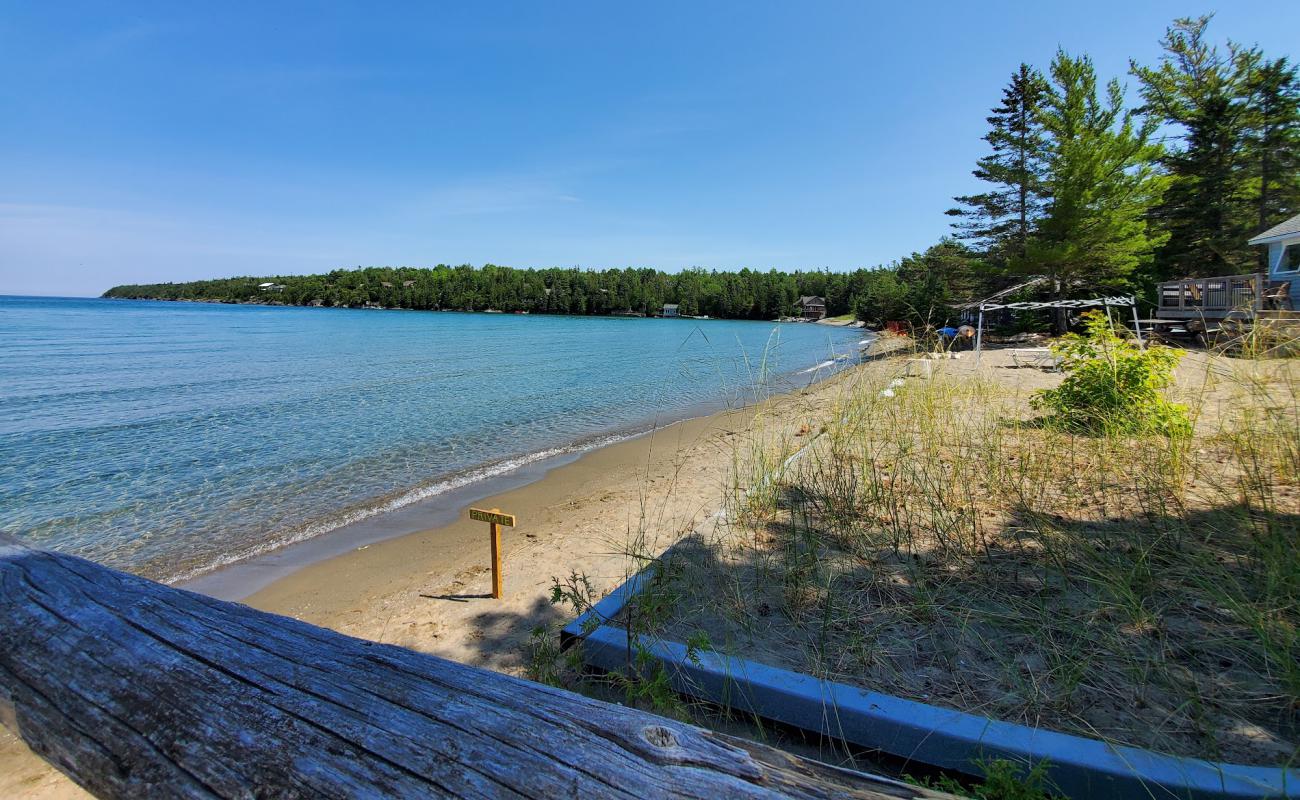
1081,186
908,290
745,294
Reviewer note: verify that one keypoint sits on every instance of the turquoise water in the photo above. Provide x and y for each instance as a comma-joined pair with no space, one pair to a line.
169,438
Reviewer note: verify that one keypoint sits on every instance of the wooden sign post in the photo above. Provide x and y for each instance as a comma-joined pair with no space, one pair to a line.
495,520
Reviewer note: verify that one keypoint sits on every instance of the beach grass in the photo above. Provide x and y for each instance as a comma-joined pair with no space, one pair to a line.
937,541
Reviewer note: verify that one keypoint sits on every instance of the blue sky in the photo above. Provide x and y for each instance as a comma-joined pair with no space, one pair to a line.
171,141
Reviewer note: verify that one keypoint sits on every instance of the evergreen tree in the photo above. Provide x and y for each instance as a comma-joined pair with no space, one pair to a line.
1206,96
1273,142
1101,179
1000,221
935,279
884,298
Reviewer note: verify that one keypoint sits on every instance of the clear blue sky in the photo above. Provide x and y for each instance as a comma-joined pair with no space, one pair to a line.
171,141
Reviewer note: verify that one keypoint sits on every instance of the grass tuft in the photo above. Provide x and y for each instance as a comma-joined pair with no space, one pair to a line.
943,544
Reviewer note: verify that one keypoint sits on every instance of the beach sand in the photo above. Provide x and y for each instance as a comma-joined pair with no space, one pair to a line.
427,590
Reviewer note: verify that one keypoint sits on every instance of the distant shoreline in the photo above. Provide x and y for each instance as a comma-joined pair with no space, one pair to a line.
830,322
693,293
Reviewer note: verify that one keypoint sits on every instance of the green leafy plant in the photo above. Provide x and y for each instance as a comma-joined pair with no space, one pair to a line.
645,682
1113,385
1003,780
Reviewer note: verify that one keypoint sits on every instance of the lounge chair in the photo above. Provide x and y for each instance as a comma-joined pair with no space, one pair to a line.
1037,357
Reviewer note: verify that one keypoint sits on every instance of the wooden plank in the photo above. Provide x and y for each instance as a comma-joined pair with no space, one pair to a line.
134,689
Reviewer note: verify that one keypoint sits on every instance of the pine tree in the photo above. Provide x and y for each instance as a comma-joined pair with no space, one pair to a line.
1205,94
1000,221
934,280
1101,179
1272,142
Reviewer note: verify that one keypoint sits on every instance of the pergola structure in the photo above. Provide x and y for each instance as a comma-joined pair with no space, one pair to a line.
1119,301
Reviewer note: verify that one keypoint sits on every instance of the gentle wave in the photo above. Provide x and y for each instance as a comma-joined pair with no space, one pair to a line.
401,500
814,368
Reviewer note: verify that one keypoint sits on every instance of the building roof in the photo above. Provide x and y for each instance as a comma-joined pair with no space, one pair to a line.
812,299
1289,228
670,305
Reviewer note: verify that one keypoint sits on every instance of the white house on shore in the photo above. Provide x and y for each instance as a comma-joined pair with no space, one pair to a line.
1283,242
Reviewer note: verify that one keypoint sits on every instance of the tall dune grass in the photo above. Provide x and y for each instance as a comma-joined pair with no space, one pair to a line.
938,542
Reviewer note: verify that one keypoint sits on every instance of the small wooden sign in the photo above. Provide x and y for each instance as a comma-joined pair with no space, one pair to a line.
495,520
481,515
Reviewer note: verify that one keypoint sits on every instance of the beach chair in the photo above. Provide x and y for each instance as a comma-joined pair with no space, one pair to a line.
1037,357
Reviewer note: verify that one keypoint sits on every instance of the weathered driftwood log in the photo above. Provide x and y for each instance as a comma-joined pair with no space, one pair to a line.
134,689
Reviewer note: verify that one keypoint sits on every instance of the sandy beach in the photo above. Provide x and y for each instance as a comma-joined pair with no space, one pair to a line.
428,590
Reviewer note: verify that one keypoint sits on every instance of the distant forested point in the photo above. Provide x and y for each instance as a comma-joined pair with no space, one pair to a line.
872,294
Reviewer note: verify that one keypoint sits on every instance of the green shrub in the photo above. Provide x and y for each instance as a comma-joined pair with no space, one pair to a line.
1003,780
1112,385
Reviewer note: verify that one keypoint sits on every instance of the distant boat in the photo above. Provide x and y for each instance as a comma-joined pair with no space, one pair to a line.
492,311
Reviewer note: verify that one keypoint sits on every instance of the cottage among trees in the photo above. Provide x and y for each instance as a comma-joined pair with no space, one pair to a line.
811,307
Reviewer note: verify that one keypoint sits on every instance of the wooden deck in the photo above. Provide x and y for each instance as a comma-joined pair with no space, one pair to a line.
1220,298
135,689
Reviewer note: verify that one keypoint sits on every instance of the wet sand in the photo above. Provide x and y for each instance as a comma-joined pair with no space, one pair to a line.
428,591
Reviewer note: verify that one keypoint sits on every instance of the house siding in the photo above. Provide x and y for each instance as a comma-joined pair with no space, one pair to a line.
1276,273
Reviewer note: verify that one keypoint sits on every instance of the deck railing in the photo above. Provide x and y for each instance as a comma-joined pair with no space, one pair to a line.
1213,298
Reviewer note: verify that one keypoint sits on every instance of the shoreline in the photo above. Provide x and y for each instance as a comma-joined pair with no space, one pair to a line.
390,519
530,313
242,578
424,588
428,590
425,509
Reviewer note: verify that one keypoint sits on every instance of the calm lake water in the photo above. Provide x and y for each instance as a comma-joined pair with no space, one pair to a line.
170,438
